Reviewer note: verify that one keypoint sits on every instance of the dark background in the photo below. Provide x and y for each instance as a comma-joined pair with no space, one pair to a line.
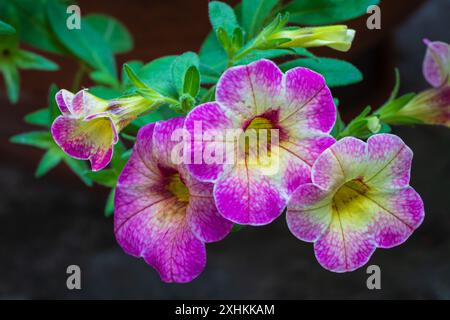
48,224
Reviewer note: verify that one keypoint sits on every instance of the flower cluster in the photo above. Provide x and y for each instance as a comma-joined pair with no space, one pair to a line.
348,197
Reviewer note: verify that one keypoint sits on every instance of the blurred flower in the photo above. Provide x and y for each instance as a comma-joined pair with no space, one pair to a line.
337,37
436,65
89,126
430,107
297,105
162,213
359,199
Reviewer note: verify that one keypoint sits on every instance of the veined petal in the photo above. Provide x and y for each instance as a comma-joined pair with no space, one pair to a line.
206,119
85,140
246,196
309,104
436,65
343,161
164,142
250,90
309,212
84,104
398,215
389,162
64,101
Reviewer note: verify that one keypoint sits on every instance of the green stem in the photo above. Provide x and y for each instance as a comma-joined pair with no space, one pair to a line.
76,84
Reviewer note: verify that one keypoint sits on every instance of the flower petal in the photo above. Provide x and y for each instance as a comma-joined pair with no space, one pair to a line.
343,161
246,196
398,214
64,101
389,162
250,90
436,65
85,140
309,212
309,104
165,143
204,119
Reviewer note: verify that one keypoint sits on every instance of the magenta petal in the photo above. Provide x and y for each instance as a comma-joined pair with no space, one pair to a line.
245,196
308,105
165,143
436,65
250,90
64,101
208,117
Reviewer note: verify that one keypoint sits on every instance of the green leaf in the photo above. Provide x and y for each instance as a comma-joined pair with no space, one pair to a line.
339,126
6,28
86,44
191,84
213,58
336,72
237,227
180,66
254,13
29,60
109,206
136,66
38,139
101,77
392,107
105,92
79,168
156,74
133,77
53,108
327,11
105,177
49,161
222,16
12,81
113,32
38,118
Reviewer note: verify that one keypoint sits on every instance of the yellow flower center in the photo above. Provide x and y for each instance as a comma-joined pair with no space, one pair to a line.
350,198
178,188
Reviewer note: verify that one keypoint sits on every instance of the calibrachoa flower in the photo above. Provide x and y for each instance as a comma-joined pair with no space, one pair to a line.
436,65
337,37
89,126
359,199
259,96
162,213
432,106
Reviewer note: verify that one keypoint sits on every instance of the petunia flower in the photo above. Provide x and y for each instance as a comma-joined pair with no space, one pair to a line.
89,126
359,199
436,65
297,105
337,37
162,213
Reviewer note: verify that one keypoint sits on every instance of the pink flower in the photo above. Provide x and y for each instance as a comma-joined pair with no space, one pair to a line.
297,105
436,65
162,213
359,199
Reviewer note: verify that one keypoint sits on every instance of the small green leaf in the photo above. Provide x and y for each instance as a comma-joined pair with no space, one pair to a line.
53,108
105,92
112,31
12,81
109,206
136,66
254,13
339,126
156,74
105,177
38,118
6,28
191,84
326,11
336,72
29,60
134,79
38,139
180,67
50,160
101,77
237,227
222,16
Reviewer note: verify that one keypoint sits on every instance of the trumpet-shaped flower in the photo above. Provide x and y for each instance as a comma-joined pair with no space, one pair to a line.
297,106
162,213
337,37
89,126
359,199
436,65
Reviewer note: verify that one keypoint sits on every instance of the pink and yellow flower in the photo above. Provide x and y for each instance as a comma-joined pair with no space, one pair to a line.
259,96
359,199
162,213
89,126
